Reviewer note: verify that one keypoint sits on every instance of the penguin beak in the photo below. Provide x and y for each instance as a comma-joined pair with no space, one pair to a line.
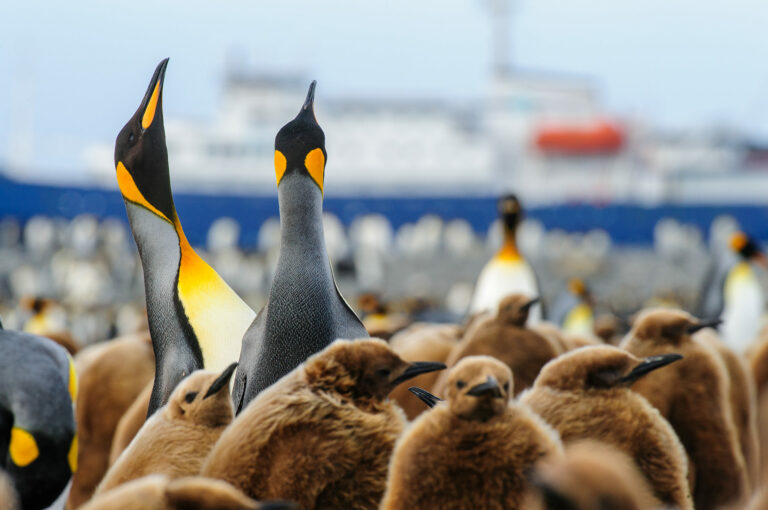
647,366
418,368
221,381
425,396
693,328
489,387
151,106
526,307
308,109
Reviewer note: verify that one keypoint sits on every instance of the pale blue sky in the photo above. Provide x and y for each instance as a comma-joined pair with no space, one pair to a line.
79,68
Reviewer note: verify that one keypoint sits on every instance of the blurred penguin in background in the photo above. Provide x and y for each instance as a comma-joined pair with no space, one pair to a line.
507,272
572,310
732,292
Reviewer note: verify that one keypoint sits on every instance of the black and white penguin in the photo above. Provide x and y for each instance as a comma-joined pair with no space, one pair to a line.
305,311
38,440
572,310
196,320
733,292
507,272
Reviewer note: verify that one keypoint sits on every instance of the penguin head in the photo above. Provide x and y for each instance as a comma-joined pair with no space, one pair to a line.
364,370
479,387
514,309
666,326
203,398
300,146
510,211
141,156
747,248
598,368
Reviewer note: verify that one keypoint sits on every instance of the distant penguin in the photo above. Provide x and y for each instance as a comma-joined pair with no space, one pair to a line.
176,440
108,385
323,434
572,310
507,272
38,386
693,395
506,338
196,320
591,476
160,492
584,394
130,423
743,400
473,451
304,312
733,292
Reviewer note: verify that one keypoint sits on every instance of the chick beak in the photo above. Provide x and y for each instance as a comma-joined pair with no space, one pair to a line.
489,387
714,323
526,307
648,365
152,102
418,368
429,399
221,381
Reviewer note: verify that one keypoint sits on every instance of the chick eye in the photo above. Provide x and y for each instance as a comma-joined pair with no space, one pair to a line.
506,386
460,384
189,397
383,372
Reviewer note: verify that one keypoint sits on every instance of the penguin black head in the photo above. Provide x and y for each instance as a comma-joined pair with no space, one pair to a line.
510,211
747,248
300,145
141,157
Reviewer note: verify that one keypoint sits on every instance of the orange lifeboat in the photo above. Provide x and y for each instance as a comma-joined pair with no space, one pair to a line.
593,139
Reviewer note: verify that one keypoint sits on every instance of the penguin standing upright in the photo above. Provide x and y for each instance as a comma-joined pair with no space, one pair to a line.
732,292
572,310
38,443
196,320
304,312
507,272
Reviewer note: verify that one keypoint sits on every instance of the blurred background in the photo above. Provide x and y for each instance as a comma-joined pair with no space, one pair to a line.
634,133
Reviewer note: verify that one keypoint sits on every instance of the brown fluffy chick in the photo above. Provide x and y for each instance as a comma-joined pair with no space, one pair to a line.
160,492
757,356
473,451
506,338
110,377
176,440
743,400
693,396
591,475
323,434
427,342
130,423
584,394
9,500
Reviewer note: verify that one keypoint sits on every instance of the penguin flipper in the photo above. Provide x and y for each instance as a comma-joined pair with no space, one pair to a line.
352,319
249,351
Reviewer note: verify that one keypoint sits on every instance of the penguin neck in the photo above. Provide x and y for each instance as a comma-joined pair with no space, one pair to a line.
301,218
508,249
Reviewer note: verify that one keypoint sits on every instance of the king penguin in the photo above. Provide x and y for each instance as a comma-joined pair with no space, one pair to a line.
573,309
305,311
733,293
507,272
195,319
38,443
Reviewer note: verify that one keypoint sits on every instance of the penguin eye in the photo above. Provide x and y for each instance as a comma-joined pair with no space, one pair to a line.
189,397
131,138
460,384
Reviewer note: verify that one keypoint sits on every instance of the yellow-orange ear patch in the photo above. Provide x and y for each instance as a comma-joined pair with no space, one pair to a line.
23,448
315,163
72,455
72,380
280,164
131,192
149,111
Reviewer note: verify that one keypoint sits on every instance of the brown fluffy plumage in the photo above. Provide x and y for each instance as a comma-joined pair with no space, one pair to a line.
160,492
591,475
506,338
693,395
9,500
422,342
758,367
130,423
323,434
584,394
109,379
743,400
474,450
176,440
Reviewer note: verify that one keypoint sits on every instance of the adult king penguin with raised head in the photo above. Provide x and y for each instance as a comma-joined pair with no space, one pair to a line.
304,312
195,319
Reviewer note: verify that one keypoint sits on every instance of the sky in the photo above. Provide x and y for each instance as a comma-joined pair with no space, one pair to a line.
72,73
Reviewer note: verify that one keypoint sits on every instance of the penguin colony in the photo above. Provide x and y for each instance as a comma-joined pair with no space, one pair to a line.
527,415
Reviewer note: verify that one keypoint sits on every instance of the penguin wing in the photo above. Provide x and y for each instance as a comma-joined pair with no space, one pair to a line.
352,321
249,352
